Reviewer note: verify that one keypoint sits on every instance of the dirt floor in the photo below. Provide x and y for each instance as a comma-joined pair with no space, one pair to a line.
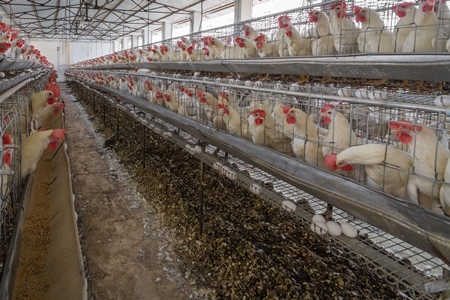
127,253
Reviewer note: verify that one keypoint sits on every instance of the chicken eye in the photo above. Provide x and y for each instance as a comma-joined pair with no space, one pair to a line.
329,112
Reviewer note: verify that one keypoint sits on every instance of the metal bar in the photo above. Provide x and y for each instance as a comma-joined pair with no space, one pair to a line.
401,66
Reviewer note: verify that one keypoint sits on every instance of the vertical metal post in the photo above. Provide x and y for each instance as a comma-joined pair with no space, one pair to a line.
200,213
104,113
117,125
144,148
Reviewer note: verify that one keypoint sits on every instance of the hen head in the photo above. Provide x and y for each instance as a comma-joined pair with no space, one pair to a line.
314,15
50,96
190,49
258,115
327,113
259,41
246,30
333,164
339,8
56,137
57,107
290,114
4,46
224,108
240,42
224,95
284,21
202,98
427,5
360,13
167,97
205,51
404,130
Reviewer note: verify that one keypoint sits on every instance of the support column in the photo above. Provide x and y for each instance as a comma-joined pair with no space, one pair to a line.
125,40
195,22
116,45
147,36
167,29
134,41
242,10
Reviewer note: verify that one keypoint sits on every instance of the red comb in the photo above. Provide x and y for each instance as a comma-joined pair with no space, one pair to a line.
326,106
339,3
356,9
286,109
261,112
398,125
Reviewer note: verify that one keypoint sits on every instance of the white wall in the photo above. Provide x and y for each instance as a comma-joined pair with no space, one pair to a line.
63,53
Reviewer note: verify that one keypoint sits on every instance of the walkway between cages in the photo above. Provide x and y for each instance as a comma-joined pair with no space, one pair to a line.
120,236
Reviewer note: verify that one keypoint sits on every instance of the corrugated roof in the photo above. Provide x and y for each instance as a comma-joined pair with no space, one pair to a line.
102,19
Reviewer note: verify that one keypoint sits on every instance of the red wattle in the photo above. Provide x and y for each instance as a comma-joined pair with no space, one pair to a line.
403,137
258,121
347,168
290,120
330,161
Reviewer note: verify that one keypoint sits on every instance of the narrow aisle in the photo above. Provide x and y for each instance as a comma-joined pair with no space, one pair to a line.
119,233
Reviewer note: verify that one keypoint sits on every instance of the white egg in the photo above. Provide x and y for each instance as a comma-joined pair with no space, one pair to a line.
197,74
255,189
198,149
294,87
349,230
167,134
442,101
372,95
289,205
361,94
225,170
318,219
334,228
232,175
2,74
216,166
347,92
259,83
319,228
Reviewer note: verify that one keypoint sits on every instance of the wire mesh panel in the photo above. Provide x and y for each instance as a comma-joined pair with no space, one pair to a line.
398,148
415,274
15,113
317,28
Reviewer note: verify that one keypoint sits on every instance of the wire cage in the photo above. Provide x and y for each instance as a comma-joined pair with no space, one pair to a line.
317,28
15,113
412,271
316,122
